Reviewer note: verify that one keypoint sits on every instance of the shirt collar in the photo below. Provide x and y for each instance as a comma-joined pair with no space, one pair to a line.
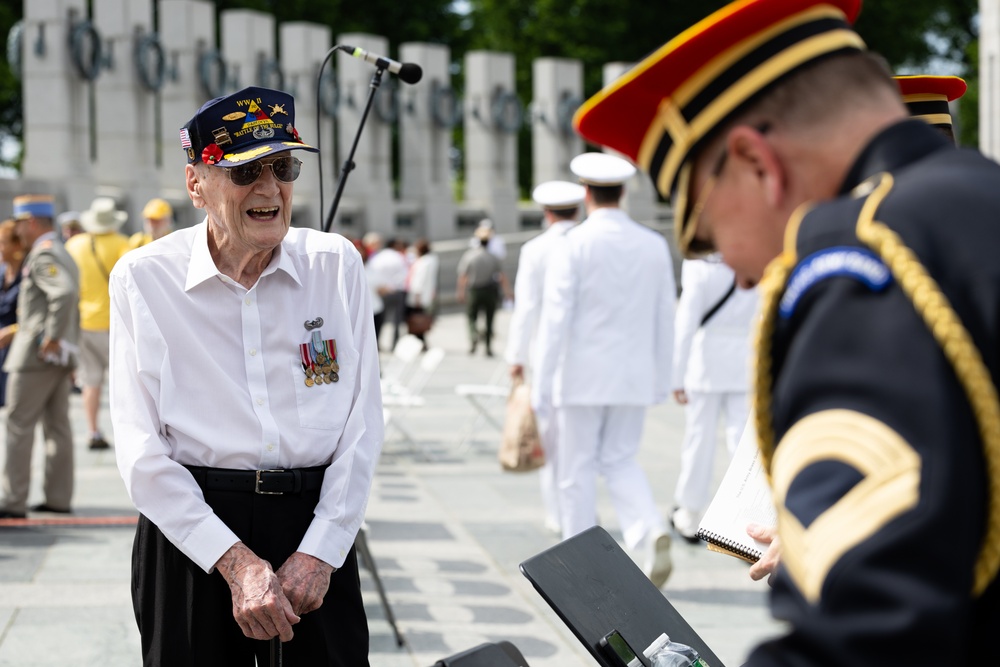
202,266
897,146
47,236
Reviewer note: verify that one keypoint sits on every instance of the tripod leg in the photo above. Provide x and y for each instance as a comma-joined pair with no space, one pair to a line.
361,541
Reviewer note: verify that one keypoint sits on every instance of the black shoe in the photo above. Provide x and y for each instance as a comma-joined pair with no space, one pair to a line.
472,348
489,352
7,514
42,507
98,442
689,538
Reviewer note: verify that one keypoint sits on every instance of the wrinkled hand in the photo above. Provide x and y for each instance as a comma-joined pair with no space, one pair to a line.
768,563
680,396
305,580
260,607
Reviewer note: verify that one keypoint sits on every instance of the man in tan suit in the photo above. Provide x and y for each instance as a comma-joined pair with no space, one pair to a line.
40,362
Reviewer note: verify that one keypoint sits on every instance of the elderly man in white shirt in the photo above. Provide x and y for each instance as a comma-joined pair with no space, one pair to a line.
560,202
603,353
246,408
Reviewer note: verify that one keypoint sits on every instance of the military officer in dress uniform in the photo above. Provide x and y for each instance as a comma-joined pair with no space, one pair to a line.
40,362
927,97
560,202
783,144
603,354
711,360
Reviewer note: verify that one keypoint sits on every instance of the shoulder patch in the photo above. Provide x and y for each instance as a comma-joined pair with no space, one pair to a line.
861,264
45,245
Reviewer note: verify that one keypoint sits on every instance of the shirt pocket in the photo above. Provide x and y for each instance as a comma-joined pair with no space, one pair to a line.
326,406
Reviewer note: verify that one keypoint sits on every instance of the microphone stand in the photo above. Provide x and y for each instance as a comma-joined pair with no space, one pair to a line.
348,166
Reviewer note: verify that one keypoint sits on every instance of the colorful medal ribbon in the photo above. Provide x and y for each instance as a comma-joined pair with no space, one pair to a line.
319,357
308,365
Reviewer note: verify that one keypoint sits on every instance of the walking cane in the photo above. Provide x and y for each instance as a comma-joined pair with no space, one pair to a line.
276,652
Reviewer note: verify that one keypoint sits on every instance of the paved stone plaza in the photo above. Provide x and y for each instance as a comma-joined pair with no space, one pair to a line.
446,526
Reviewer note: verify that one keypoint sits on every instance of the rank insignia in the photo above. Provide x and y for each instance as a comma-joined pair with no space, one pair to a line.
236,115
318,356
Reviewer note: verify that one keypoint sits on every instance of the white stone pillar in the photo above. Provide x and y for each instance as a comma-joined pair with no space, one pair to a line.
247,46
302,47
125,111
557,88
989,78
57,118
368,192
187,33
425,139
490,149
640,195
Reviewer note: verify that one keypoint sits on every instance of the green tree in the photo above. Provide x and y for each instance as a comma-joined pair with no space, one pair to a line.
10,88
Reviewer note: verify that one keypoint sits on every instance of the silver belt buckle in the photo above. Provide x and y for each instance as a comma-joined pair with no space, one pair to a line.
256,488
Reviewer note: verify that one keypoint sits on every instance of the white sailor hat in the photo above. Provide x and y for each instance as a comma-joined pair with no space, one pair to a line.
558,195
601,169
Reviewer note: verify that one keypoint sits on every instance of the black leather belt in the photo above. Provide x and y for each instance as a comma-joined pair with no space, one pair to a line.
265,482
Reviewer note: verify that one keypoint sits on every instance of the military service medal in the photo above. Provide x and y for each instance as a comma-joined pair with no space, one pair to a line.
318,356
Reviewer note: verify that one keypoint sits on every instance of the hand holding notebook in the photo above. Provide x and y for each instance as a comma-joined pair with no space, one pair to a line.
744,497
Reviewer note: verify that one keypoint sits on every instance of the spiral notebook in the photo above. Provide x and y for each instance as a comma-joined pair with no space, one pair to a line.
744,497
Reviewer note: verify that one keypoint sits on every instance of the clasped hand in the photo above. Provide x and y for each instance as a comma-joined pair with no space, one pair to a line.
266,603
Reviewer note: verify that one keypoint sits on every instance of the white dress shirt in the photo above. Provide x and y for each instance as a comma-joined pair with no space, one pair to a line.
714,357
205,372
529,286
388,268
605,336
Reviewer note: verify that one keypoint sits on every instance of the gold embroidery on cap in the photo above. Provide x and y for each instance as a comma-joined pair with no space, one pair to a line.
248,155
755,80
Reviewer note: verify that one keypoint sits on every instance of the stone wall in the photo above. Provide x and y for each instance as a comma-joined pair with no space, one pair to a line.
106,92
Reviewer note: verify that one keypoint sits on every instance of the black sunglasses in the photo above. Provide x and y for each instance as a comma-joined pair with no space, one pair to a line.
285,169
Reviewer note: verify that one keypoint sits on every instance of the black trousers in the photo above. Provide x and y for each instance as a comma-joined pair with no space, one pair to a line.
185,616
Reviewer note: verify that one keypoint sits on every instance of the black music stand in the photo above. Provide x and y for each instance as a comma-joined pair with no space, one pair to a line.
595,588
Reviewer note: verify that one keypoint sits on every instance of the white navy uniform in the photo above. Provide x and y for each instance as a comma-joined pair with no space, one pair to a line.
529,287
560,200
710,365
603,354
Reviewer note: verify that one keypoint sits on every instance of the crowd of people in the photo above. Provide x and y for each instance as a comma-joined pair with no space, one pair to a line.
54,334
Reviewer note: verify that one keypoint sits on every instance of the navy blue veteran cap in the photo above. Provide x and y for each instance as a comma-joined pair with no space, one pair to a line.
242,127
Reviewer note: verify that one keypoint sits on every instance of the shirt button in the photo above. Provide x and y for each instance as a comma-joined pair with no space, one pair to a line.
247,301
253,352
260,401
270,447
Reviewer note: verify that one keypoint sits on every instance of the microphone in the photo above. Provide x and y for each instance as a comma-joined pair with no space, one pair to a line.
407,72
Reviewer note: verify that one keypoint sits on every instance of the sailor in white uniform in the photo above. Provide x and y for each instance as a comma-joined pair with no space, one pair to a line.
603,354
560,202
711,360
